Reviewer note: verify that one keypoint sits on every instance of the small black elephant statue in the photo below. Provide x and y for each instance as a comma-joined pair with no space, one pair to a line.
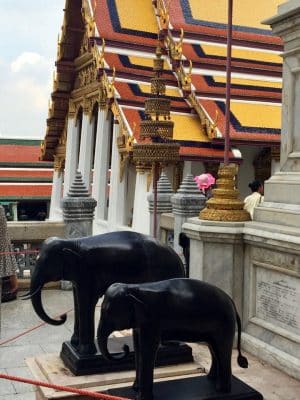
92,264
176,309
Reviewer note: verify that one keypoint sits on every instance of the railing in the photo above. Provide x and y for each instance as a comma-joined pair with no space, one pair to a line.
167,229
27,238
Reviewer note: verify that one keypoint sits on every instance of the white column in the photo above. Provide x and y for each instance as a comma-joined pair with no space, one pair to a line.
85,153
117,194
141,214
187,168
282,191
15,211
99,190
55,213
71,154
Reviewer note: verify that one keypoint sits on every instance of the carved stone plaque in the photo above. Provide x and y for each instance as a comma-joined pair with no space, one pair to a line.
278,299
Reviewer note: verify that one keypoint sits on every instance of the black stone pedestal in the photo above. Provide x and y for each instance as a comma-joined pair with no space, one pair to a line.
196,388
173,353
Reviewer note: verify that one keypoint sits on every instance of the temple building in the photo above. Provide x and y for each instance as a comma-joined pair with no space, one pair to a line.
25,180
142,83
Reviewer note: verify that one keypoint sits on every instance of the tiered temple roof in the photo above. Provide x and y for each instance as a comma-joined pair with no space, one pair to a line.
22,174
194,48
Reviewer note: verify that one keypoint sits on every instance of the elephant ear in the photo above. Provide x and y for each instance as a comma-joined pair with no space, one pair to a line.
143,311
71,256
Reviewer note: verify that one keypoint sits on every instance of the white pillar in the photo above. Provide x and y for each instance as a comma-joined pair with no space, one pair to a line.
55,213
85,153
117,194
15,211
99,190
71,154
282,191
141,214
187,168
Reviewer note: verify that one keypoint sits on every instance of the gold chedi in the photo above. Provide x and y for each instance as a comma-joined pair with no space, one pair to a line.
225,205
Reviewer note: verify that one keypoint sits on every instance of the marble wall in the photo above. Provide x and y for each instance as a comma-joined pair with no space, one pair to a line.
259,267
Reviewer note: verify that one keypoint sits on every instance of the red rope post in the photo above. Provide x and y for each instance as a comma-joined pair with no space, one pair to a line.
155,179
228,83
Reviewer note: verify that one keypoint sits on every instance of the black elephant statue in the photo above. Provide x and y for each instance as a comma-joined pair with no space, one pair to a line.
92,264
176,309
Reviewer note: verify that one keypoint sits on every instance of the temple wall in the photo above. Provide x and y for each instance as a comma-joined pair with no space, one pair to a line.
259,267
271,314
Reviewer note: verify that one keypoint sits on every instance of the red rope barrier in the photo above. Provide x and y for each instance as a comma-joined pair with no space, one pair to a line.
30,330
33,328
62,388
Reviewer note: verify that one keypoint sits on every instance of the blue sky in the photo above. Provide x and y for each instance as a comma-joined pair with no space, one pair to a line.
28,31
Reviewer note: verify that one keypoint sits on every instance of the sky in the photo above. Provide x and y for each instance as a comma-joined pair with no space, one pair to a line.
28,44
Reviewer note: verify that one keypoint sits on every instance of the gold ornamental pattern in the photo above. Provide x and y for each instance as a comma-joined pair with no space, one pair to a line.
157,105
158,86
156,130
225,204
153,129
150,153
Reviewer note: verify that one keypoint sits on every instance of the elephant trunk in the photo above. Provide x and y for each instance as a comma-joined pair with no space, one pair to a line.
35,296
102,338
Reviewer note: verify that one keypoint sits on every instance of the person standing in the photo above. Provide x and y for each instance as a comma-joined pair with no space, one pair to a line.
255,198
8,263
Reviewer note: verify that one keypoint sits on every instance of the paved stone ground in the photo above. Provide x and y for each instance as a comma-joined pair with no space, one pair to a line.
18,316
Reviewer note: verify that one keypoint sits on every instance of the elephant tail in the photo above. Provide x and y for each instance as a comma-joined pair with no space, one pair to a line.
242,360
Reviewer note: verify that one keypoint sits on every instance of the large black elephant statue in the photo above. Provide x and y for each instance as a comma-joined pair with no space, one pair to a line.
176,309
92,264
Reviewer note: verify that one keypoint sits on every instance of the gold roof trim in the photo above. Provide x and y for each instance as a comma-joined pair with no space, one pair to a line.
209,128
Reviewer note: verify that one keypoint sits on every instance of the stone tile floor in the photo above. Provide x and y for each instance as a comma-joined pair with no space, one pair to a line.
18,316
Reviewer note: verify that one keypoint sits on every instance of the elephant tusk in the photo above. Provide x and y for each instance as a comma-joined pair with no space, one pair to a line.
24,295
123,355
29,295
63,318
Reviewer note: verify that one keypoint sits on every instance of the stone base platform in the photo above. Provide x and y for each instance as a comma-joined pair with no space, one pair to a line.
50,368
172,353
193,388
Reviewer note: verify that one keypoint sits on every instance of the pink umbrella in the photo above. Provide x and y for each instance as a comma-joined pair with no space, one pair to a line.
204,181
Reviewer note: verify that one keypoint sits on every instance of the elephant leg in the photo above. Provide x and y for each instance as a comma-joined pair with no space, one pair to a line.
149,342
213,371
136,346
86,308
223,350
75,335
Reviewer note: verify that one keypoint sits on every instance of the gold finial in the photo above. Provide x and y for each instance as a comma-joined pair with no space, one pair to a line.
113,76
158,51
43,147
211,128
190,67
178,45
111,84
185,78
55,80
91,26
164,15
58,53
102,54
188,76
175,48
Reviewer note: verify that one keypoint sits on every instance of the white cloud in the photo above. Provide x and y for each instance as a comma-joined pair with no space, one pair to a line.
26,58
25,93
